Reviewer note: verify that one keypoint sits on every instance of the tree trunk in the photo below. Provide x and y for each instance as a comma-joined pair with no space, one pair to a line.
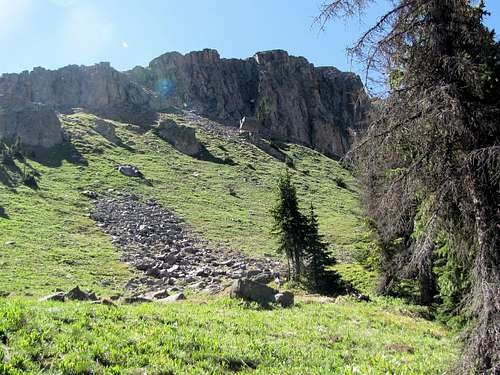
483,343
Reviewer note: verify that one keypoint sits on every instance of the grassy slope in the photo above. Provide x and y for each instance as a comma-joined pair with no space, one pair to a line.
57,245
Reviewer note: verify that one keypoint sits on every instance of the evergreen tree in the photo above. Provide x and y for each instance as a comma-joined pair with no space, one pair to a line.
431,155
318,276
289,226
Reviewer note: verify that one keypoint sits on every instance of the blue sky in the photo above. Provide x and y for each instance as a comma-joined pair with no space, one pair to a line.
54,33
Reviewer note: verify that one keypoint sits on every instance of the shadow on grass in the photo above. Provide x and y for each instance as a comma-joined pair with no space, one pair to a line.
53,157
3,214
206,155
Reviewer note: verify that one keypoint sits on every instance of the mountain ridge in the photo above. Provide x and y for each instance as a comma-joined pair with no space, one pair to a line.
289,99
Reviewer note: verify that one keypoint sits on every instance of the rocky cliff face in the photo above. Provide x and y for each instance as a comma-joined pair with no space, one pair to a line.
99,89
287,97
37,125
291,99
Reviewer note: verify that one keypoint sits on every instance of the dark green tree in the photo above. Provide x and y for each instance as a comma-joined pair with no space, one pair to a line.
318,275
289,226
430,159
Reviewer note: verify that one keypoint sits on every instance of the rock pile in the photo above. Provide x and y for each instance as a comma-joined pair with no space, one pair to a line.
155,241
75,294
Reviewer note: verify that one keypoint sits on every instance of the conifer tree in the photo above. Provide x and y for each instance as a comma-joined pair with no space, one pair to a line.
289,226
318,276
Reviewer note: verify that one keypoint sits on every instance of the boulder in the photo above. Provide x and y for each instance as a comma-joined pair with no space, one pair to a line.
106,129
285,299
252,291
78,295
130,171
58,296
174,298
251,125
137,299
158,294
182,138
262,278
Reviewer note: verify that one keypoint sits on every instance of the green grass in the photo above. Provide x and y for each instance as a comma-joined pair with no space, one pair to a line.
47,240
221,336
56,244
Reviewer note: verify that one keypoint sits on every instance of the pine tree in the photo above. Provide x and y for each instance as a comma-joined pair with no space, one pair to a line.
319,277
289,226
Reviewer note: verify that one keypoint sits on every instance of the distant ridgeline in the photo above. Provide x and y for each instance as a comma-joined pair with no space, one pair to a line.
281,97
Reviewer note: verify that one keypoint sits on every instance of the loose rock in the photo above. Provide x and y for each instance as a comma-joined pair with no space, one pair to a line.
252,291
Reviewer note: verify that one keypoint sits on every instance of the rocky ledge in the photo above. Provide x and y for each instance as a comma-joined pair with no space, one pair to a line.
155,241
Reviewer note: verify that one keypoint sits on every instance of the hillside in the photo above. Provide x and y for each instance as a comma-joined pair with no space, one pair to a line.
49,240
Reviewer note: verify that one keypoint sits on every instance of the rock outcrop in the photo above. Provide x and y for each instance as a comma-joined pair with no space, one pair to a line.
286,97
35,124
99,89
181,137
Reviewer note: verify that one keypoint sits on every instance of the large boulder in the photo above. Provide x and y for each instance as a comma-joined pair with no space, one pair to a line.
181,137
252,291
35,124
130,171
285,299
107,130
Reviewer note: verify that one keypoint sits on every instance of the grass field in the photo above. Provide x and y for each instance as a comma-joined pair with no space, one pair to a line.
48,241
217,337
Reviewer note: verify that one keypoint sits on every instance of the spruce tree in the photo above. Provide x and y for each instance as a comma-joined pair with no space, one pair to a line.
319,278
289,226
431,154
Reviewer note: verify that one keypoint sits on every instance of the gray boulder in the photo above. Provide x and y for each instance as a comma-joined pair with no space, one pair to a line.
130,171
252,291
174,298
58,296
78,295
251,124
285,299
106,129
262,278
181,137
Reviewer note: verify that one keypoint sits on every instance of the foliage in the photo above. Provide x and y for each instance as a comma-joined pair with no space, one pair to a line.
437,127
290,226
319,273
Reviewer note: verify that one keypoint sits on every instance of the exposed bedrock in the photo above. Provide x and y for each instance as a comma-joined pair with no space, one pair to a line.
99,89
289,98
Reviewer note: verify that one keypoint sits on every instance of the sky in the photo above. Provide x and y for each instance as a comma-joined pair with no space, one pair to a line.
55,33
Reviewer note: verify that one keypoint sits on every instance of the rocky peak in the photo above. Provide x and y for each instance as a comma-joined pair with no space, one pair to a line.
289,98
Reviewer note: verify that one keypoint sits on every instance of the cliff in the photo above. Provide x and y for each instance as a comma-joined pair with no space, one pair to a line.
291,99
287,98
